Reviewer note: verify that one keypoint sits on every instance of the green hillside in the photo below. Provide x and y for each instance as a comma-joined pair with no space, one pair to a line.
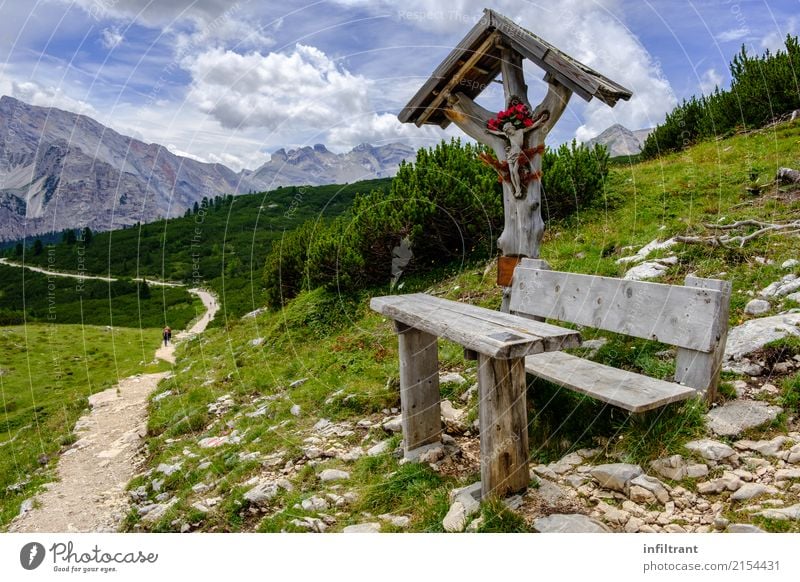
221,245
293,392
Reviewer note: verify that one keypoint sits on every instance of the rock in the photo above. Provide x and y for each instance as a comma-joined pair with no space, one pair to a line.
469,497
451,415
649,270
792,455
790,264
469,392
553,494
644,252
416,455
200,507
312,452
783,474
453,377
794,297
652,485
456,518
757,307
728,481
396,520
641,495
352,455
161,396
394,424
594,344
787,284
634,524
696,470
736,416
475,525
314,503
379,449
754,334
256,342
673,467
167,469
333,475
262,493
769,448
200,488
298,383
783,513
369,527
254,313
295,410
744,366
749,491
720,523
156,511
615,475
743,528
711,449
674,528
310,523
568,523
26,506
432,454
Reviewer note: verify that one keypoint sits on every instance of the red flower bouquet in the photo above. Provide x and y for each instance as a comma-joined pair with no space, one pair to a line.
517,115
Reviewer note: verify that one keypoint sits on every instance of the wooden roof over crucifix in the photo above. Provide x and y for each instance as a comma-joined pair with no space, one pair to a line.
476,62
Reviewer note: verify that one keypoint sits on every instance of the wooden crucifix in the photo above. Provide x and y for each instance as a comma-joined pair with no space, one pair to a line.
497,46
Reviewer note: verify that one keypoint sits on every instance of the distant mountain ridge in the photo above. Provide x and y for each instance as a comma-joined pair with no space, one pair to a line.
61,170
620,140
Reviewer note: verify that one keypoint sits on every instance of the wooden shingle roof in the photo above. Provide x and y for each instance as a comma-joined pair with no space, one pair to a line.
475,63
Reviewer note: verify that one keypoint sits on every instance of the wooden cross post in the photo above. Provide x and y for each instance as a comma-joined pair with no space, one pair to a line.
523,225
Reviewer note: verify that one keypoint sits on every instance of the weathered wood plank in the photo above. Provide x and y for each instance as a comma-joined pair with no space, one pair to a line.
621,388
419,387
700,370
682,316
503,419
488,332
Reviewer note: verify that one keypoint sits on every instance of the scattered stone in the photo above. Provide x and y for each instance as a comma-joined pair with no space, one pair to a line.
262,493
453,377
786,285
396,520
416,455
711,449
352,455
475,525
333,475
757,307
394,424
310,523
200,488
790,264
379,449
369,527
295,410
783,513
26,506
743,528
167,469
213,442
696,470
769,448
200,507
652,485
783,474
721,523
156,511
736,416
794,297
634,524
673,468
298,383
469,392
432,454
754,334
649,270
792,455
553,494
674,528
254,313
161,396
615,476
568,523
256,342
728,481
644,252
749,491
456,518
594,344
314,503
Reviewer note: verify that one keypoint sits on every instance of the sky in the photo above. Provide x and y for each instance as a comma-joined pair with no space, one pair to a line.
232,81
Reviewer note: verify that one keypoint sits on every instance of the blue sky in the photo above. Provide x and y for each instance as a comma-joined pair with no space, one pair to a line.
232,81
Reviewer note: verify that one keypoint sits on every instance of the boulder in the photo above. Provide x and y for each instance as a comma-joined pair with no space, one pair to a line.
737,416
757,307
615,476
754,334
568,523
711,449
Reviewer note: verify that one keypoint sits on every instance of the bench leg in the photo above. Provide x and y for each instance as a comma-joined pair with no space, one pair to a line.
503,425
419,387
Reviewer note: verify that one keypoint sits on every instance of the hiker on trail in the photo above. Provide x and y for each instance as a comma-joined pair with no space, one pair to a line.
167,335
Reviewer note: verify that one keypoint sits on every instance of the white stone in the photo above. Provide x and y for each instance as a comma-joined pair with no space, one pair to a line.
783,513
333,475
754,334
394,424
453,377
456,518
568,523
369,527
749,491
737,416
262,493
314,503
790,264
379,449
644,252
653,485
167,469
256,342
769,448
673,467
696,470
711,449
295,410
743,528
757,307
649,270
615,475
783,474
298,383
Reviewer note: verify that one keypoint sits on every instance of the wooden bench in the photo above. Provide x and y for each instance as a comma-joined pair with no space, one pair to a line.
500,342
694,318
507,345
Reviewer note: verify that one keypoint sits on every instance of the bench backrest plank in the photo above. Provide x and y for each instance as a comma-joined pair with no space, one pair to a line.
688,317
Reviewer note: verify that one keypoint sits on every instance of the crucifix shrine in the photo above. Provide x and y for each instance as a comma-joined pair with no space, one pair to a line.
497,46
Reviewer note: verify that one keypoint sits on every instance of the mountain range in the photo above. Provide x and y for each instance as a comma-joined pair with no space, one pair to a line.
620,140
61,170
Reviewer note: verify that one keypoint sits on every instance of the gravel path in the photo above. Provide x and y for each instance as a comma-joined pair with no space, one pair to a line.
90,495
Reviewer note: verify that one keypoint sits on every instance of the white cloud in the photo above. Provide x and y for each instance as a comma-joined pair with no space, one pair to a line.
35,94
710,81
733,34
111,37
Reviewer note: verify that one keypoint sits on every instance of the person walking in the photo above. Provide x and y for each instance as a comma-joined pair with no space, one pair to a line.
167,334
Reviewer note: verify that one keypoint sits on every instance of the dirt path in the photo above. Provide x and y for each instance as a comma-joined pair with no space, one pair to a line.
90,494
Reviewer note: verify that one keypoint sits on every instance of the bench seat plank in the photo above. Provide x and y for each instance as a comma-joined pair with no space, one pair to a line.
494,334
621,388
